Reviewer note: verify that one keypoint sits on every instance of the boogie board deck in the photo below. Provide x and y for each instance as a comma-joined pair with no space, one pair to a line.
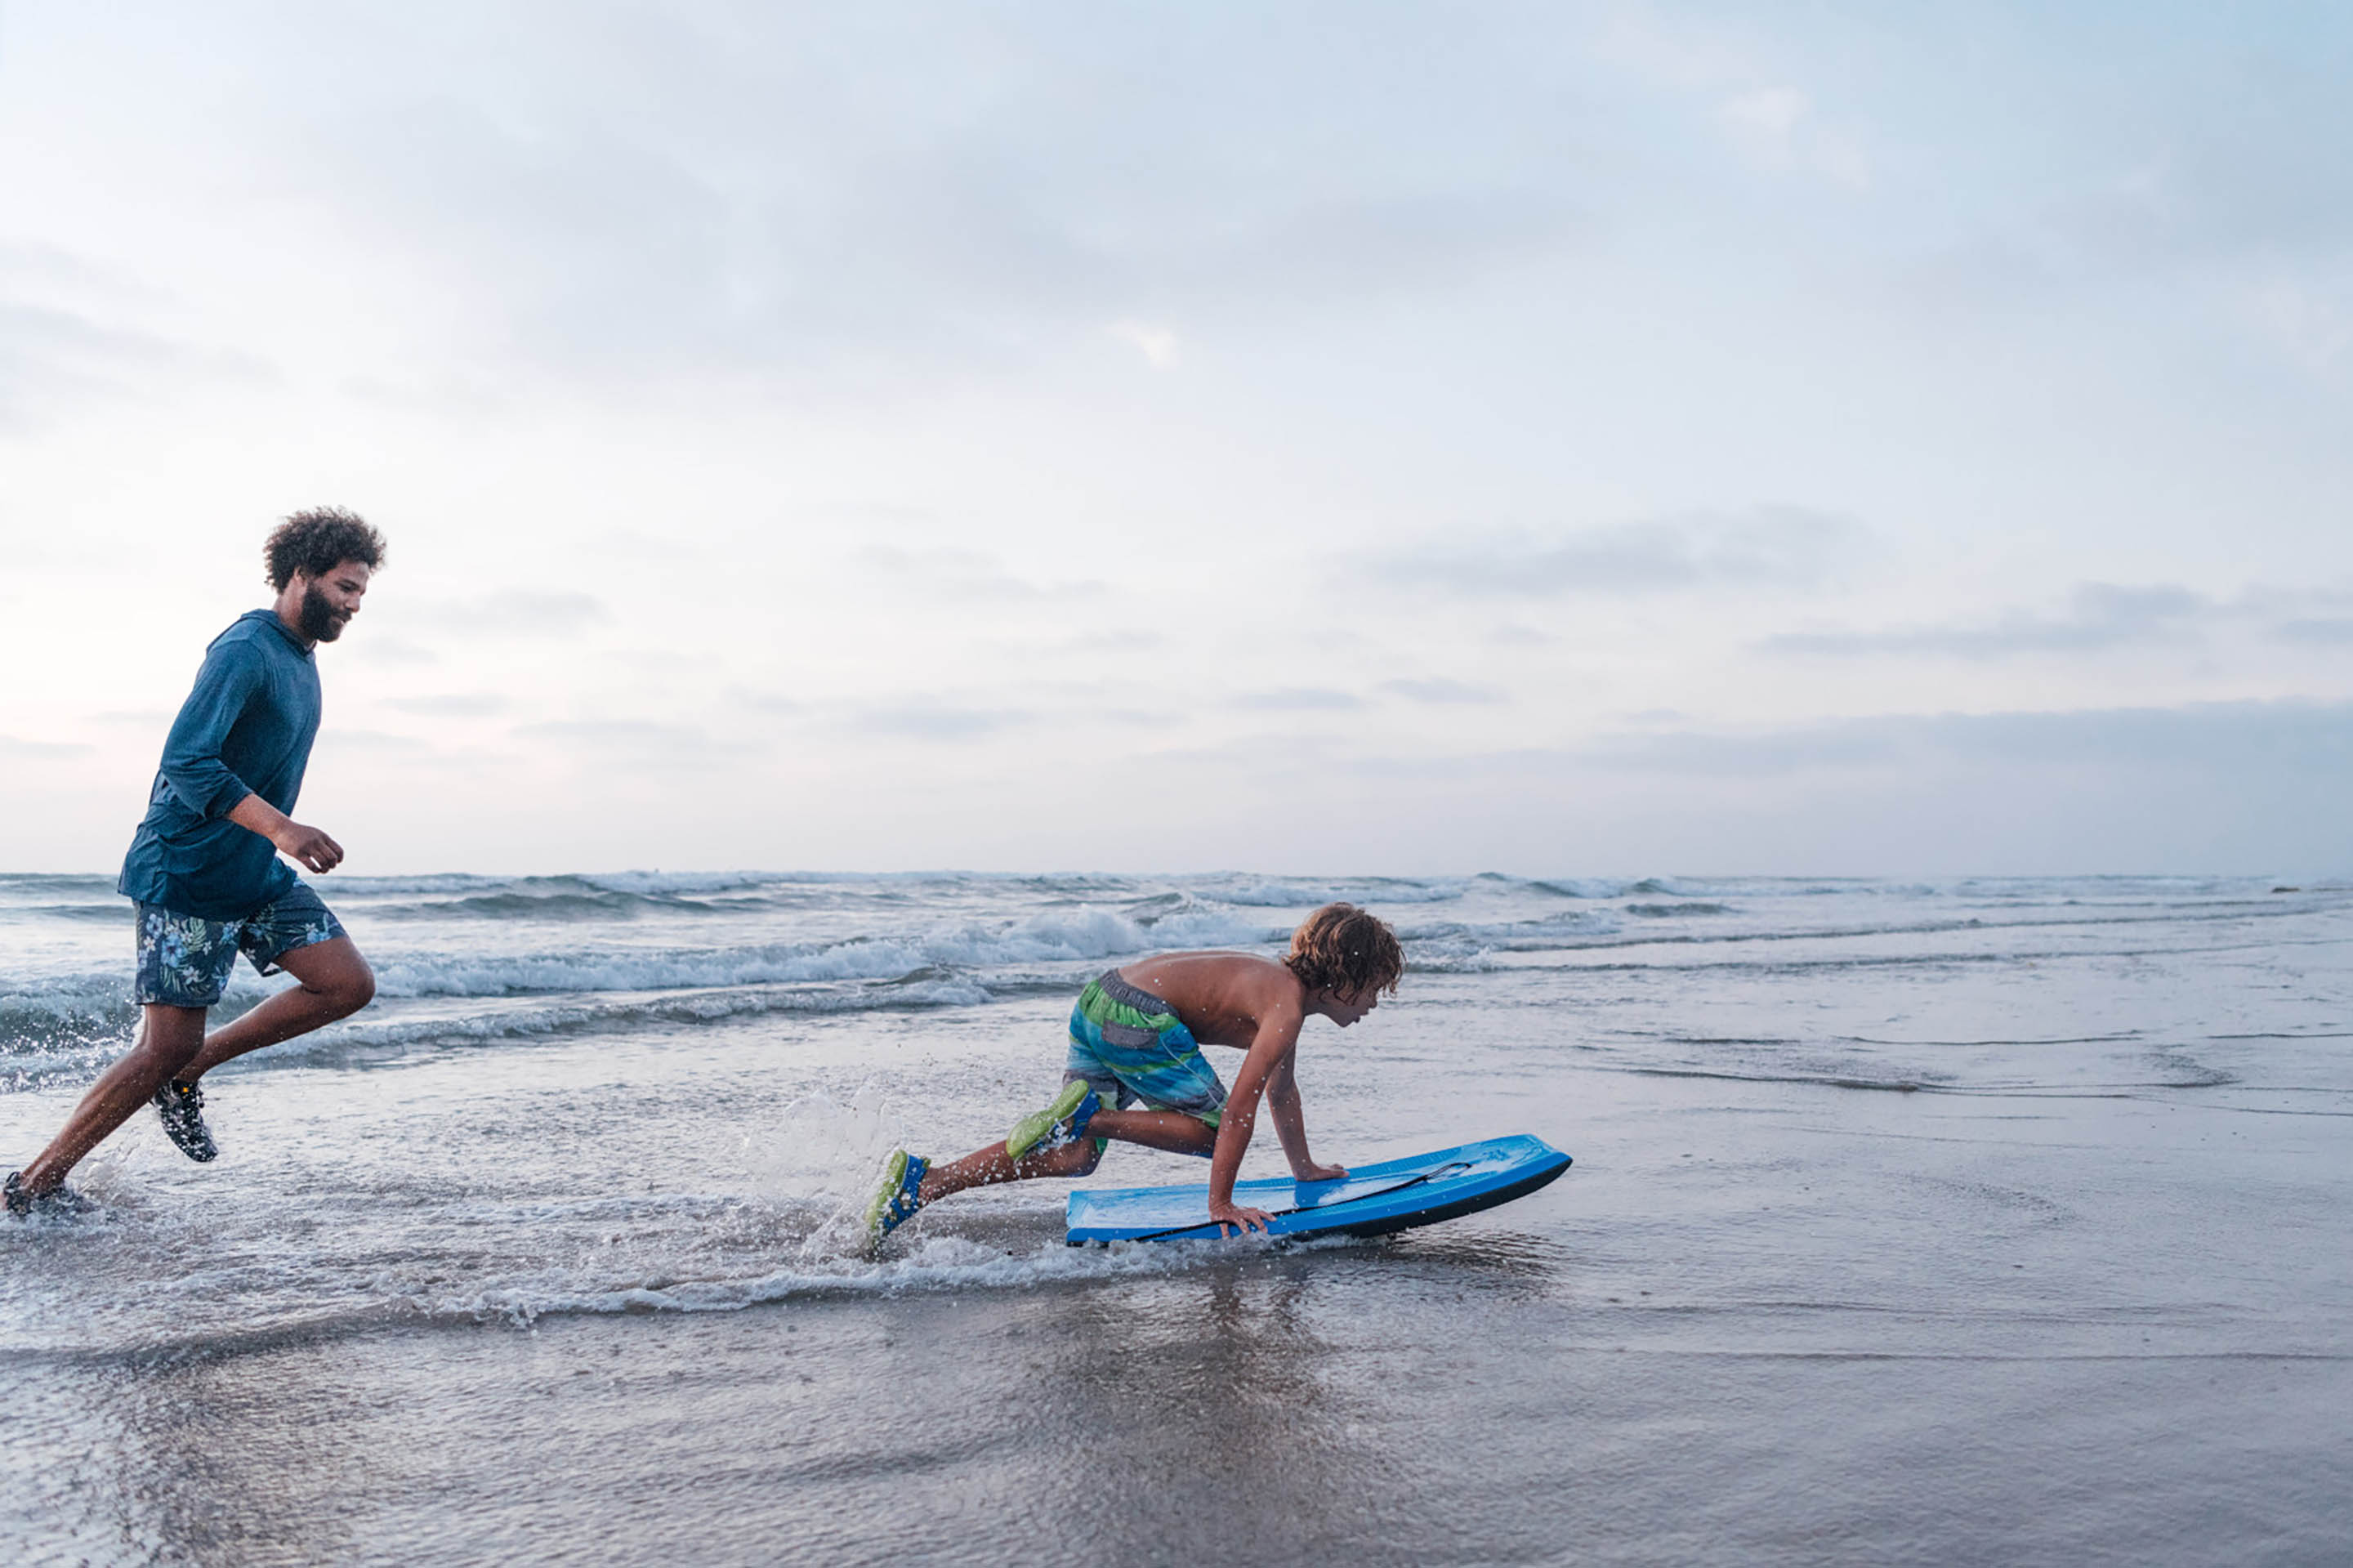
1370,1200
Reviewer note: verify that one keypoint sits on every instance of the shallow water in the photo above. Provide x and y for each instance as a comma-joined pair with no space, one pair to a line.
1981,1221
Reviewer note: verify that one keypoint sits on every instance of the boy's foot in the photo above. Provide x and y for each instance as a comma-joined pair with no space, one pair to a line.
24,1205
1062,1122
900,1196
183,1108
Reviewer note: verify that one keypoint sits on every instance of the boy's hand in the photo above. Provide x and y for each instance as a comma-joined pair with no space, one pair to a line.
1311,1171
1230,1212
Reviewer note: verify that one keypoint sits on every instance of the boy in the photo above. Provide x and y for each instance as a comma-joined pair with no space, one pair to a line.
1135,1039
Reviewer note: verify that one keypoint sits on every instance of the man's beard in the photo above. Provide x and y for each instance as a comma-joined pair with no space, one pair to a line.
320,622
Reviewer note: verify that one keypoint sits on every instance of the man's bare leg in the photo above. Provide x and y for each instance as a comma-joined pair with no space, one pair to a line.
172,1045
1171,1131
336,983
169,1039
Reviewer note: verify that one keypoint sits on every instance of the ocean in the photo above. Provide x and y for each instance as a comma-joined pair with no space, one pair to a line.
1965,1220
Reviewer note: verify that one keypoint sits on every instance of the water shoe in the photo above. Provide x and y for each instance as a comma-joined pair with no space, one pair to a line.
24,1205
900,1196
182,1109
1062,1122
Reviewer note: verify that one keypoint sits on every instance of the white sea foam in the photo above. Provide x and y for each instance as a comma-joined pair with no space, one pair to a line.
1287,893
822,1148
599,1012
486,957
941,1263
1055,935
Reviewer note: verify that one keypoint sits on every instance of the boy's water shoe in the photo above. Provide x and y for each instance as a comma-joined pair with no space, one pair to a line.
1064,1121
899,1196
24,1205
182,1109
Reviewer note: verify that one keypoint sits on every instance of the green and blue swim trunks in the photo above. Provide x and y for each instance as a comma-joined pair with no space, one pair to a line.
1130,1046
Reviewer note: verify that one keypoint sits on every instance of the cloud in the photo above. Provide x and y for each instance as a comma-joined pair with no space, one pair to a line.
768,204
1770,111
934,721
2100,616
2258,199
68,332
507,614
1768,121
343,738
1157,343
1443,691
774,703
2302,321
42,750
2198,737
1782,546
963,573
49,355
1774,127
636,741
369,645
1299,699
2194,787
451,704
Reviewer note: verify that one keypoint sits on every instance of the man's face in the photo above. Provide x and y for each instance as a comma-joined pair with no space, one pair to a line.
330,599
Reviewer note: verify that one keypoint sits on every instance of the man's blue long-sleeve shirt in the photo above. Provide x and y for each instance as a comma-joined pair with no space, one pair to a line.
246,729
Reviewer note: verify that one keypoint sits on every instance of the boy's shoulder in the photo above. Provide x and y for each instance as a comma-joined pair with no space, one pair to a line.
1215,980
1212,962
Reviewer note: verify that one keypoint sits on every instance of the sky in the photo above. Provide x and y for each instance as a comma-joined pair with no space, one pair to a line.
1554,439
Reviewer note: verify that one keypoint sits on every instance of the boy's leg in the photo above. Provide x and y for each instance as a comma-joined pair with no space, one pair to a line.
1173,1132
988,1167
169,1038
1170,1131
336,983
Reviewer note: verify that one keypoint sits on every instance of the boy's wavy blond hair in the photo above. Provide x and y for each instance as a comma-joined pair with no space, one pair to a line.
1343,949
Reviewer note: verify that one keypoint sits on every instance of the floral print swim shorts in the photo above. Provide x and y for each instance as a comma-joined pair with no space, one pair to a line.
185,959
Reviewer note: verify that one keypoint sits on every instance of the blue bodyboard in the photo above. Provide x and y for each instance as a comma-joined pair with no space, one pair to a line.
1370,1200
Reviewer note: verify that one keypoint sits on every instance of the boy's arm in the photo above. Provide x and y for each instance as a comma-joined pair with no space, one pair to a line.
1283,1099
1278,1032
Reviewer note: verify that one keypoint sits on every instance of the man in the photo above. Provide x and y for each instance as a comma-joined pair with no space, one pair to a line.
203,872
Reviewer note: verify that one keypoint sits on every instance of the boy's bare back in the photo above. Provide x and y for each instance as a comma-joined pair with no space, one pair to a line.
1225,999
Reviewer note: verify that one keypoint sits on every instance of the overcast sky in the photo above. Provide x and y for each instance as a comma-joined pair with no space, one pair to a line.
1548,438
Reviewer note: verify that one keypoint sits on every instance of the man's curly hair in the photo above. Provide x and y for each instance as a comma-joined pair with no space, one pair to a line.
316,542
1343,949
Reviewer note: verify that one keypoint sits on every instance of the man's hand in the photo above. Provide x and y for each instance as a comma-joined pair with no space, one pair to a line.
1228,1213
1311,1171
308,846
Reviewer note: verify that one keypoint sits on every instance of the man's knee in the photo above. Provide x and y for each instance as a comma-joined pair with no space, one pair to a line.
171,1037
348,987
358,990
